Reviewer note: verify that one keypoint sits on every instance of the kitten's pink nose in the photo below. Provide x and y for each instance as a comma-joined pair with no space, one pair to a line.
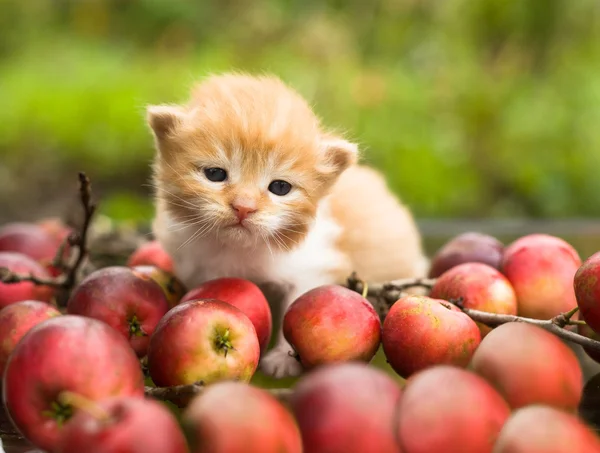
243,210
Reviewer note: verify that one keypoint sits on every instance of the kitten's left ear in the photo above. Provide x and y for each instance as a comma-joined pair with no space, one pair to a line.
164,119
339,154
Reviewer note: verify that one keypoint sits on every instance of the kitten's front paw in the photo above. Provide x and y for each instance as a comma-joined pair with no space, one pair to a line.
280,363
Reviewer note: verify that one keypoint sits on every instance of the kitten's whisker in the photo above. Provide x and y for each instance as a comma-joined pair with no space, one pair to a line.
266,241
184,225
182,178
187,202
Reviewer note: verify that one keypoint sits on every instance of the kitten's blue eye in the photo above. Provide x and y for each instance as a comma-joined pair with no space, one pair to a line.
279,187
215,174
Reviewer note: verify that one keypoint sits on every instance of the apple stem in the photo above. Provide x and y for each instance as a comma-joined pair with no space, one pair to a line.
59,412
75,400
135,327
223,342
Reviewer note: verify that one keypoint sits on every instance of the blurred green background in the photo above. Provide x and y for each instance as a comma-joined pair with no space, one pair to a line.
485,108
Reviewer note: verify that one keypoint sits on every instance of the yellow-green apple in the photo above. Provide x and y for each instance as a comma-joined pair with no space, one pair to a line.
65,353
242,294
151,253
480,286
172,287
347,407
16,320
122,425
470,247
420,331
544,429
205,340
330,324
17,292
529,365
130,302
237,417
436,412
541,269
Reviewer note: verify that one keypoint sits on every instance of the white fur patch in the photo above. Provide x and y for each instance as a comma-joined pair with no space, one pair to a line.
306,266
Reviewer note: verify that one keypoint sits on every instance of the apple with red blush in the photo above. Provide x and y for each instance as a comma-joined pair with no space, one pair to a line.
238,417
242,294
172,287
151,253
529,365
65,353
205,340
469,247
436,412
420,331
347,407
586,284
39,242
480,287
541,269
130,302
331,324
19,263
544,429
121,424
16,320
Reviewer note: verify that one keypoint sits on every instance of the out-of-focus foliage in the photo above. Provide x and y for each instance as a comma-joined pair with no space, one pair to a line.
471,108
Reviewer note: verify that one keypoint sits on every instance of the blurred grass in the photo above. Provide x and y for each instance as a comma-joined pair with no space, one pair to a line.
484,108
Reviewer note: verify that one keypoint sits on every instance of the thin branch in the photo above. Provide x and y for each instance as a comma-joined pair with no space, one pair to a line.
386,294
9,277
77,240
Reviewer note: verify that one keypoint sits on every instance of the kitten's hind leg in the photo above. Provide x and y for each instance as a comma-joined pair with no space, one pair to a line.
281,360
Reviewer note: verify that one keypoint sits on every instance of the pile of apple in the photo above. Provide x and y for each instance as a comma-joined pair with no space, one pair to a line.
74,377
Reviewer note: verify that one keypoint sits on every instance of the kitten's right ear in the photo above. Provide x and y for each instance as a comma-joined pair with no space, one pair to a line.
164,119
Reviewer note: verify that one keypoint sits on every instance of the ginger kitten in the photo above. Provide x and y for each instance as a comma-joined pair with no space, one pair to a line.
250,185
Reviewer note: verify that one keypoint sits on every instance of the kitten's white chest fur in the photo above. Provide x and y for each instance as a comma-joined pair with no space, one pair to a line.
310,264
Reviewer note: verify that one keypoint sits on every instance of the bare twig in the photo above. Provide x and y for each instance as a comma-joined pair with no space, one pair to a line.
76,240
387,294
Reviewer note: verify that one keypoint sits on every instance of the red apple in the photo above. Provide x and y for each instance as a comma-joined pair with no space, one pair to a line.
68,352
17,292
346,407
30,239
541,269
16,320
529,365
123,425
331,324
237,417
471,247
543,429
586,331
587,291
203,340
172,287
55,227
436,412
480,286
244,295
130,302
151,253
420,332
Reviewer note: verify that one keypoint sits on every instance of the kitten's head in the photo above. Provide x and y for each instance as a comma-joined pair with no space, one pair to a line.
245,160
